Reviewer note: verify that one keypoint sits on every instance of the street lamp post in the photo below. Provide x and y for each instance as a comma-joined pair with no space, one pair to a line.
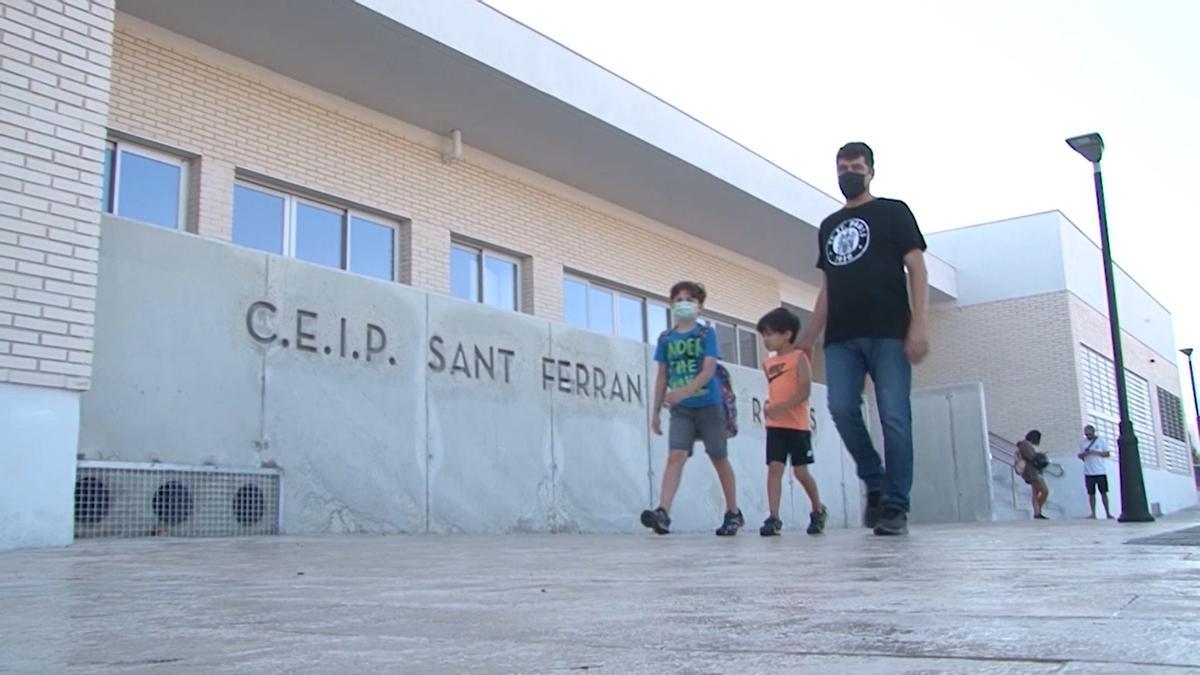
1134,508
1187,351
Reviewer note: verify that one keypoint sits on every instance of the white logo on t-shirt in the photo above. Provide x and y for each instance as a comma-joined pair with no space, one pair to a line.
848,242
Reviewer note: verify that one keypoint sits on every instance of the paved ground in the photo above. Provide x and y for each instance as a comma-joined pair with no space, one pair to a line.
1056,597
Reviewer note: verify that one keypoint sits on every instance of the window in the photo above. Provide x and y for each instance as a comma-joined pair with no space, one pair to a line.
1140,413
738,344
658,320
1175,442
1099,388
630,320
1170,411
748,348
479,275
727,340
144,185
372,248
610,311
1176,457
325,234
1100,399
600,310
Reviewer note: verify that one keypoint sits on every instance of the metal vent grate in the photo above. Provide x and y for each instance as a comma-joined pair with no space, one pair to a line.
123,499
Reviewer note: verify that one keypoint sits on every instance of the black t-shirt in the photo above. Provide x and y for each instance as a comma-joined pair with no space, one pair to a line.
862,251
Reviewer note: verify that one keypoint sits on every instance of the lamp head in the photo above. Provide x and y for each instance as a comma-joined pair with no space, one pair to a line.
1091,146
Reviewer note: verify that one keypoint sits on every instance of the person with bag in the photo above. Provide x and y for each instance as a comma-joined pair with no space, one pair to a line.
698,392
1029,465
1093,450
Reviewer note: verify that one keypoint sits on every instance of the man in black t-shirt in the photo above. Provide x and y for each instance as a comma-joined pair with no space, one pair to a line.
873,326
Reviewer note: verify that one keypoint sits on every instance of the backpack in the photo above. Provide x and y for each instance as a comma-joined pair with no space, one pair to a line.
728,397
725,383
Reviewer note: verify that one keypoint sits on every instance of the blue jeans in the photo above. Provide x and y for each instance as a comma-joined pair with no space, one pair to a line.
846,366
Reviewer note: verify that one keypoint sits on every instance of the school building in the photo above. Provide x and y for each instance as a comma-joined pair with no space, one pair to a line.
393,266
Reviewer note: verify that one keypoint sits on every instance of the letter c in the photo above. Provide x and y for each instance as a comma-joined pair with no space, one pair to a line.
254,309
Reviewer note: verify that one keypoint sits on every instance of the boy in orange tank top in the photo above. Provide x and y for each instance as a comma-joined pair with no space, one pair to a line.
789,435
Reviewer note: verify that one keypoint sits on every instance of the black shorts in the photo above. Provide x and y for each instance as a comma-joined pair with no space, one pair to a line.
793,443
1094,483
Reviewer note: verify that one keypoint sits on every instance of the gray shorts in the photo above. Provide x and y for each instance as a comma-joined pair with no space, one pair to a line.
706,424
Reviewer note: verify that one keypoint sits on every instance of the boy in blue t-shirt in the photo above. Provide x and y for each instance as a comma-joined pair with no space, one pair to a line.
687,364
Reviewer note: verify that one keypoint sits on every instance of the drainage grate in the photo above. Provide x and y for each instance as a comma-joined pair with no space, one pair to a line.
123,499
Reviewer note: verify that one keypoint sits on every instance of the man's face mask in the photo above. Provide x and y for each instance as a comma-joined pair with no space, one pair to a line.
852,184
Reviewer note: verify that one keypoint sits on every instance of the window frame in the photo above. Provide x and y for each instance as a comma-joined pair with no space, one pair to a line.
481,253
617,292
649,301
347,213
113,190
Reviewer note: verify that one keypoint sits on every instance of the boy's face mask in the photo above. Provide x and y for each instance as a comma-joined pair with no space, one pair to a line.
685,309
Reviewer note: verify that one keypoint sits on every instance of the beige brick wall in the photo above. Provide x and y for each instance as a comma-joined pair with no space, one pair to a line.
167,91
981,343
1043,333
1091,328
54,78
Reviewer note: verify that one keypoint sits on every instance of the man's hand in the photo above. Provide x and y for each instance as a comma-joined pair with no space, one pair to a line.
770,410
1083,455
805,343
916,345
656,423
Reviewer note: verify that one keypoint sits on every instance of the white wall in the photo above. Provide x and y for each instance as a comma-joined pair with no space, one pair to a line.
1043,253
1003,260
1141,315
39,430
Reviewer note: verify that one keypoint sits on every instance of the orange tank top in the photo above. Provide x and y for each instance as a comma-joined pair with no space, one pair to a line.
782,385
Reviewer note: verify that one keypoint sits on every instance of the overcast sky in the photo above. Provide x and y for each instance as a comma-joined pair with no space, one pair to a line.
965,103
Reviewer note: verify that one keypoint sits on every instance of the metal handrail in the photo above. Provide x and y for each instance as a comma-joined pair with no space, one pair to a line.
1005,451
1002,449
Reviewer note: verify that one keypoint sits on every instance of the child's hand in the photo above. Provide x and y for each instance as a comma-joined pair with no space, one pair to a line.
675,396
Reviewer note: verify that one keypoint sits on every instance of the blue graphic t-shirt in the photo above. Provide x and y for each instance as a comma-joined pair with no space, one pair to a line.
684,354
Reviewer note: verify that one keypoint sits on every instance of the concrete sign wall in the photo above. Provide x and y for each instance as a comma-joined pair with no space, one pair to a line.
391,410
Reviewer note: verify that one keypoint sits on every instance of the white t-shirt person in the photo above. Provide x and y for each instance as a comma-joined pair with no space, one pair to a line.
1094,464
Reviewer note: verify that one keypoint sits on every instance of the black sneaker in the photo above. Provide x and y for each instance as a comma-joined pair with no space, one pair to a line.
657,520
771,527
816,521
874,510
892,523
1040,517
733,523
